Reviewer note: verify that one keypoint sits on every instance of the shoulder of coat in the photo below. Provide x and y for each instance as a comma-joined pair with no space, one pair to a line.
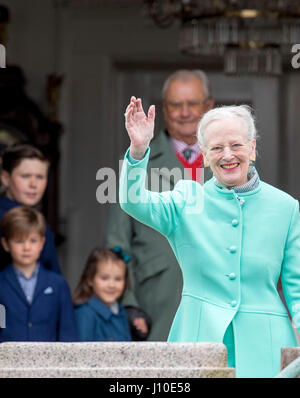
276,192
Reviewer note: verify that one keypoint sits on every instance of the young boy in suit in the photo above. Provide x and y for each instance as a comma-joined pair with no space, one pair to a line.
38,304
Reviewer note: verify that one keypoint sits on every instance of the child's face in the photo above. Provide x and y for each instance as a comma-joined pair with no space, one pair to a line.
24,250
109,281
27,182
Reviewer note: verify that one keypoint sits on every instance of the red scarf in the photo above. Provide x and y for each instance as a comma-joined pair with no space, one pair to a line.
193,167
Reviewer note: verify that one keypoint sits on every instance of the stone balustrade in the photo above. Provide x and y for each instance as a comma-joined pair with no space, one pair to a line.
288,355
114,359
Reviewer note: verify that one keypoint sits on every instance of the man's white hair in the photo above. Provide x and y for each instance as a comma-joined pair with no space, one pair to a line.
186,75
223,112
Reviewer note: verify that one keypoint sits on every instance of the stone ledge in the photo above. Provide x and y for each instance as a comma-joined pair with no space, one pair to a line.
111,354
117,372
114,359
288,355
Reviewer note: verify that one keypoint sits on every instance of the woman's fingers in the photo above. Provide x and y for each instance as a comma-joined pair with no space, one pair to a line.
135,106
151,112
127,110
131,109
139,105
128,113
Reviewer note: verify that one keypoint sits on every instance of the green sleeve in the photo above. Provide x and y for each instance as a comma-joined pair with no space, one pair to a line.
290,273
158,210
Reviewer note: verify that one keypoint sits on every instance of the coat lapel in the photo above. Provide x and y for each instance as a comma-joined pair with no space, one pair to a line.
14,283
100,308
162,156
42,282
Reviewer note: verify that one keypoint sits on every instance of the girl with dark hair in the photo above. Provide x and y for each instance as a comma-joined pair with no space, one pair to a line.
98,313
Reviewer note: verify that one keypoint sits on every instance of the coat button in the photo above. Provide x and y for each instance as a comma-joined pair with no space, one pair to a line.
233,303
232,276
29,324
232,249
235,222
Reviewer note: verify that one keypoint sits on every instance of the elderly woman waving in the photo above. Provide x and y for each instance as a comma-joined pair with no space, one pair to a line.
233,238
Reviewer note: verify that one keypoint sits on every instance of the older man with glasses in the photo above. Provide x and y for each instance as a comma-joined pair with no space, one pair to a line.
156,274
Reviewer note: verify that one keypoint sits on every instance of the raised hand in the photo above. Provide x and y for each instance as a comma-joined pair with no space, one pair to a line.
140,127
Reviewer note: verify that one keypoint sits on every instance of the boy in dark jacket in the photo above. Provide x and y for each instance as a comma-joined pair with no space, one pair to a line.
37,302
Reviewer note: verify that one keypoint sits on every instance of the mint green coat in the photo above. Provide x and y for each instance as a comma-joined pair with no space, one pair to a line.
231,257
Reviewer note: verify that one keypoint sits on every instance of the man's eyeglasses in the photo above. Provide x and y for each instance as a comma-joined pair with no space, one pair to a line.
173,107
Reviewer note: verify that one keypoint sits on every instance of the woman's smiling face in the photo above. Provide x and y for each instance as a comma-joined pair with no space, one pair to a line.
228,150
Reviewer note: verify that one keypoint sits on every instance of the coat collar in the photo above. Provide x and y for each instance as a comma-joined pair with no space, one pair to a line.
7,204
211,187
250,185
100,307
12,279
42,282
